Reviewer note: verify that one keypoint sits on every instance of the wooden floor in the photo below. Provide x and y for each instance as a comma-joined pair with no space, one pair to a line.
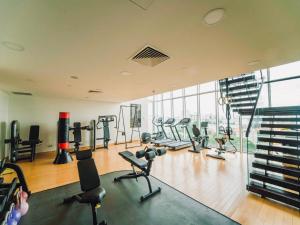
216,183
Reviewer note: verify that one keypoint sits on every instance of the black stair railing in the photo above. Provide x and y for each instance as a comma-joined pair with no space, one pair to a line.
255,106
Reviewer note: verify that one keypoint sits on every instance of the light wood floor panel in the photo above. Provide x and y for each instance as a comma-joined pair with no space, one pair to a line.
218,184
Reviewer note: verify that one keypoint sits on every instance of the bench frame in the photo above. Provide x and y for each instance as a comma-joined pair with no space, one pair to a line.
144,172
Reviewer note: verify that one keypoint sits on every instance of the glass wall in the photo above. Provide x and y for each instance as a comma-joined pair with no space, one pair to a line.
197,102
167,109
200,102
178,108
191,110
150,117
208,113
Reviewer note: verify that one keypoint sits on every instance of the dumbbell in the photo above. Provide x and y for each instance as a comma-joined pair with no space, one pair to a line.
161,151
14,215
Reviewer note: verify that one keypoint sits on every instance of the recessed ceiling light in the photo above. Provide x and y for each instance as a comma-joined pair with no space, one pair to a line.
21,93
254,62
13,46
96,91
214,16
125,73
74,77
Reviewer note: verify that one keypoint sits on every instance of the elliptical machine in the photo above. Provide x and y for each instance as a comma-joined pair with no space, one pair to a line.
158,123
202,141
105,120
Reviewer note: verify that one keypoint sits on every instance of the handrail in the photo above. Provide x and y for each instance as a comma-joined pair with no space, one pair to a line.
254,109
282,79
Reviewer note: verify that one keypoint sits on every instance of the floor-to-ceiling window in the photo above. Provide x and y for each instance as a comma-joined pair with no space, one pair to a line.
196,102
208,114
285,92
178,108
167,109
191,110
200,102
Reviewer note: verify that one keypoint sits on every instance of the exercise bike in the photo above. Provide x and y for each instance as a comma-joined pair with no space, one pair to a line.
226,137
200,142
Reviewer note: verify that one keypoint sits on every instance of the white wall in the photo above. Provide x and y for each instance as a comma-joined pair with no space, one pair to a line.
43,111
4,97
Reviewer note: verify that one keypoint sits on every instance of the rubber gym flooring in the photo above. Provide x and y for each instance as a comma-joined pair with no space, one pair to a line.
121,206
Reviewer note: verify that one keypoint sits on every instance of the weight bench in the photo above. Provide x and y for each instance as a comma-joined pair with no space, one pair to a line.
144,165
93,193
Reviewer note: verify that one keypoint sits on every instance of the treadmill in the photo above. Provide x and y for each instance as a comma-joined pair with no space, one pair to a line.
163,142
181,143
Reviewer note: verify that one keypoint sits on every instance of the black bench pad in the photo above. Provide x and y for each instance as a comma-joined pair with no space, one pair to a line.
95,196
130,157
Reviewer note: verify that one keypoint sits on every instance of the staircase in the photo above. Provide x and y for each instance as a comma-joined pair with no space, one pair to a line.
275,170
241,92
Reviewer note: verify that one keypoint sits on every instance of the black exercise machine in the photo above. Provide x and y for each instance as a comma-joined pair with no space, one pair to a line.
105,120
201,140
144,165
21,182
77,131
221,142
92,192
20,149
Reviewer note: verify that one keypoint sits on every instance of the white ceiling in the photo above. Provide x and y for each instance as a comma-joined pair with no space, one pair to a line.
94,40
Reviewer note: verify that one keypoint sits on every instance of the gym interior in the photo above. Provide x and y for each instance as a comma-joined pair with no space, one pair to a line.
149,112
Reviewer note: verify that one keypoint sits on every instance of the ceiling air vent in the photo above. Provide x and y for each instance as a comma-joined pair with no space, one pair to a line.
21,93
149,56
95,91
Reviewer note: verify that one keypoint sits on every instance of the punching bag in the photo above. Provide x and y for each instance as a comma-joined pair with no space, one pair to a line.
63,155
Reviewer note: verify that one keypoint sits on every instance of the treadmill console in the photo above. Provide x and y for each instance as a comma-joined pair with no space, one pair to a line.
169,121
159,120
185,121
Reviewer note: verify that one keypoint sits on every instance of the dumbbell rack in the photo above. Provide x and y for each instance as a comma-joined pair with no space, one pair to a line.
8,191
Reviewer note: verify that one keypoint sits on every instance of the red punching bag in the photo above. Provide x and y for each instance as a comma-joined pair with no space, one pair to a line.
63,139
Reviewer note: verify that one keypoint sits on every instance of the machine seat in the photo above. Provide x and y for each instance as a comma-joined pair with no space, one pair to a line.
130,157
93,196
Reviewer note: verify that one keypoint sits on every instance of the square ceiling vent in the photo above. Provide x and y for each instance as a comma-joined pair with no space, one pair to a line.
149,56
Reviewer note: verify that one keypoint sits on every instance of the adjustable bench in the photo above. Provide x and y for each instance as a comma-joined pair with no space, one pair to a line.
93,193
144,165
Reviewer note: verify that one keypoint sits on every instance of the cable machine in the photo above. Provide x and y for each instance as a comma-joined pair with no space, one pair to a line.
135,123
105,120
